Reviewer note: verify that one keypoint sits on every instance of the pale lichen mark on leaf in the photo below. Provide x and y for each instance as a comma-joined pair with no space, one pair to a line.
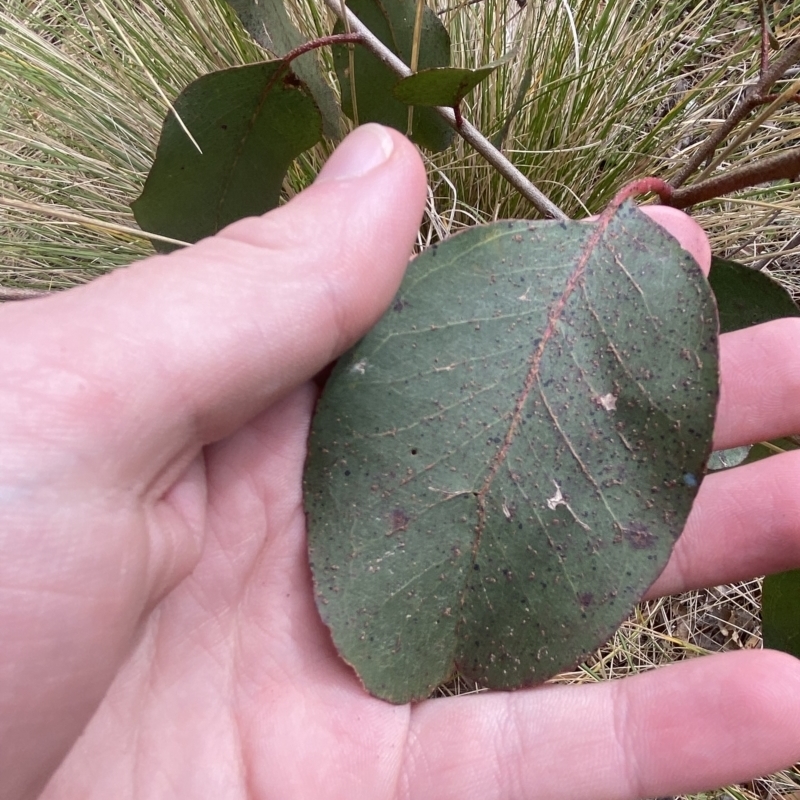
622,362
632,378
608,402
557,499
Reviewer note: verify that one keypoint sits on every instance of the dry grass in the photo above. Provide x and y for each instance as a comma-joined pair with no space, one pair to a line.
84,85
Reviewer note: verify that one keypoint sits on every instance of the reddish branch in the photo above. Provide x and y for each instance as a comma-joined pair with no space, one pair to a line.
762,14
307,47
323,41
639,186
785,165
754,96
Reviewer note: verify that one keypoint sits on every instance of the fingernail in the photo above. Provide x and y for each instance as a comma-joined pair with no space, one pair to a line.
366,148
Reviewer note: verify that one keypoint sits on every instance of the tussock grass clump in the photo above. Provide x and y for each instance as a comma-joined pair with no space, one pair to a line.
84,88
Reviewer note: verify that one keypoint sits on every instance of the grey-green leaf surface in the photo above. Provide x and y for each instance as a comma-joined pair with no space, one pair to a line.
780,593
441,86
500,469
747,297
780,611
392,21
250,123
268,22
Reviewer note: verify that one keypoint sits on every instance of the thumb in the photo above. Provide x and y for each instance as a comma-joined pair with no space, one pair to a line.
180,350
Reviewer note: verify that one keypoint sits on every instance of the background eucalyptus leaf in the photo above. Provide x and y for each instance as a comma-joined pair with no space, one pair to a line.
268,22
780,611
392,21
250,123
442,86
746,296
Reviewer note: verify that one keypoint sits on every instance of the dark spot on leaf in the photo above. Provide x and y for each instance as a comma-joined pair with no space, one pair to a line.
639,536
585,599
291,80
414,451
399,304
224,127
400,520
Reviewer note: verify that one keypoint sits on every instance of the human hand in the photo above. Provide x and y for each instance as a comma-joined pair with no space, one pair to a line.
154,585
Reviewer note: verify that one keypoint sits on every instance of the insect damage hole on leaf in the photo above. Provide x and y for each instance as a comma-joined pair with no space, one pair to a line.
516,423
557,499
608,402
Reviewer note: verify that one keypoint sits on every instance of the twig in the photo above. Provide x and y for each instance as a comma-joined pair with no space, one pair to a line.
307,47
754,96
762,15
87,222
784,165
323,41
468,132
639,186
773,102
790,245
8,293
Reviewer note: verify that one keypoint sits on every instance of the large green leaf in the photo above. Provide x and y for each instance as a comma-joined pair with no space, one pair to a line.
250,123
443,86
267,21
780,611
500,469
747,297
392,21
780,593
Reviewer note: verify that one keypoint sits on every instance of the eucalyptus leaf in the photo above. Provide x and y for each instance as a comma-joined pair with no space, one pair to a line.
725,459
780,593
499,470
392,21
442,86
746,296
268,22
250,123
780,611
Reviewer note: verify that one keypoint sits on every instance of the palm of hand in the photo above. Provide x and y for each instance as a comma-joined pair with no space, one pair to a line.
234,688
135,557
